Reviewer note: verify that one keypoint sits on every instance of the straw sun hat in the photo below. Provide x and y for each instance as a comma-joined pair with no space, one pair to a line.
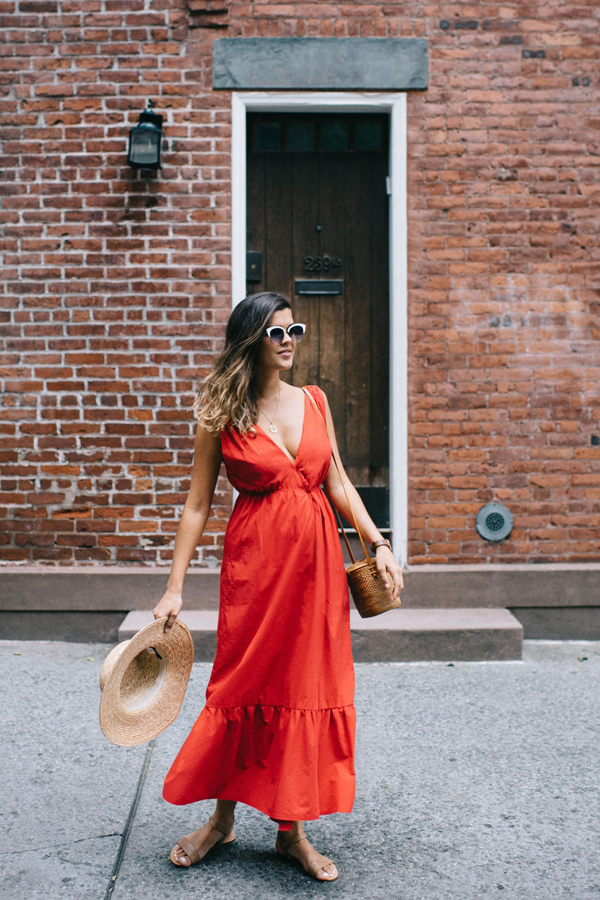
143,682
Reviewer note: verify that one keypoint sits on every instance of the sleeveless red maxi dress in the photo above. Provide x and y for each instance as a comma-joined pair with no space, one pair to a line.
278,728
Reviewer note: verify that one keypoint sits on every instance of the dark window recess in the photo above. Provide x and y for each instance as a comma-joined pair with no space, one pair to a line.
334,136
267,136
322,133
377,503
301,136
368,136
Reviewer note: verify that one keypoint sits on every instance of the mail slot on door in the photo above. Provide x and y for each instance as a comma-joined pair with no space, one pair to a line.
320,287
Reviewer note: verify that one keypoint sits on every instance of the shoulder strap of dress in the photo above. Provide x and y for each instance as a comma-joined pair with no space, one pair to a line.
316,395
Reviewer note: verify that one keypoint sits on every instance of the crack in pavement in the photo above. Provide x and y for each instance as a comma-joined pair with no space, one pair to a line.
134,805
93,837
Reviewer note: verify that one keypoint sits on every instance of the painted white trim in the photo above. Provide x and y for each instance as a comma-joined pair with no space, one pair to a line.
321,101
238,199
398,332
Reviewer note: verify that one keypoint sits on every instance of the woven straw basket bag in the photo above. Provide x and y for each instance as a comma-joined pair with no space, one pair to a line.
370,595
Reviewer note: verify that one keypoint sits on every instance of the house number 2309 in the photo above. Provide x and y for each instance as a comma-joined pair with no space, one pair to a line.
321,263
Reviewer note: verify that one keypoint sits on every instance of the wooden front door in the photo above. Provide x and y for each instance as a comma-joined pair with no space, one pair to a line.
318,232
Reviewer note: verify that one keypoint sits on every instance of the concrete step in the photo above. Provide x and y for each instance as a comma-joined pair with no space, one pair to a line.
400,635
87,602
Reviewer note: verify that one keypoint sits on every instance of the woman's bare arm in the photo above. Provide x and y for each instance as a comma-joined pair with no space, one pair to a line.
205,471
386,563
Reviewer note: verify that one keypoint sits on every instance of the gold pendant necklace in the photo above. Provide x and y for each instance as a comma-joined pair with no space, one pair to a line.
272,426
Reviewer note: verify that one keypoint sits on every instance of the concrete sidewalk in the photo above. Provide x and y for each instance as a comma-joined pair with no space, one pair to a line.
473,780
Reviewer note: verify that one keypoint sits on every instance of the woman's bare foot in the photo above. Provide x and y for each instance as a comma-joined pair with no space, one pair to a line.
304,851
206,837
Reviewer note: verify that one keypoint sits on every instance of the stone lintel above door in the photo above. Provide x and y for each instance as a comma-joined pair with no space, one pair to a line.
373,64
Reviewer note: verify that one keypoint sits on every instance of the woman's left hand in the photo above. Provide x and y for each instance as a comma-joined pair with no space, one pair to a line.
389,570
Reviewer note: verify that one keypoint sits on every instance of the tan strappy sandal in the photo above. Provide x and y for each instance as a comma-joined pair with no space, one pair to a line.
192,851
317,862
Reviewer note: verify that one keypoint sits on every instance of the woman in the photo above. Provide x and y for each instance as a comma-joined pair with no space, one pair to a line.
277,731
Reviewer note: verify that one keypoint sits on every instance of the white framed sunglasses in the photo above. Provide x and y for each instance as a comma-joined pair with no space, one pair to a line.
276,333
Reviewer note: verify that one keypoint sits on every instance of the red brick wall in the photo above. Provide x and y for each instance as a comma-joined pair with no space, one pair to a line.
116,286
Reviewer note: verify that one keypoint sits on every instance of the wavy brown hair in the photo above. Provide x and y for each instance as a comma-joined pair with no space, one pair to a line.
227,393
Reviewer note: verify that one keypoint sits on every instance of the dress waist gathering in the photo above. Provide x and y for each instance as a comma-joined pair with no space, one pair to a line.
266,492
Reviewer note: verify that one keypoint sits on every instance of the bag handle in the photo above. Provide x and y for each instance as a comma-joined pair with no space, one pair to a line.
314,402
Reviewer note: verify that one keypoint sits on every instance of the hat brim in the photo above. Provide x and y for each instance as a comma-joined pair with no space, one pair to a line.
129,720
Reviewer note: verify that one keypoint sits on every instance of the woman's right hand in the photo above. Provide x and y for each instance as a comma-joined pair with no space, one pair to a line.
169,605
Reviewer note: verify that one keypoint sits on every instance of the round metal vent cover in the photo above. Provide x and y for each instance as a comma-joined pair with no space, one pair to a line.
494,522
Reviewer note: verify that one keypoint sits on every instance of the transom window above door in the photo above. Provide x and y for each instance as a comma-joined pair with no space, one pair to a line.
272,133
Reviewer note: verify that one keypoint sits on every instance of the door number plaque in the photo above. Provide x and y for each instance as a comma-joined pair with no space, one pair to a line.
321,263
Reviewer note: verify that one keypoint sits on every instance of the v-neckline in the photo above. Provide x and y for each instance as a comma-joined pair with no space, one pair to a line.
289,458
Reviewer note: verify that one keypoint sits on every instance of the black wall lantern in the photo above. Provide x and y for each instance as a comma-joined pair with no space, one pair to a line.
145,140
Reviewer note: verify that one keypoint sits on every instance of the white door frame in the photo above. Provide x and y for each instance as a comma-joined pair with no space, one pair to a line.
321,101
